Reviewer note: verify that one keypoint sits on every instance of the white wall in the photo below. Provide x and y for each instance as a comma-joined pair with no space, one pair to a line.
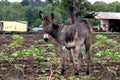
104,24
14,26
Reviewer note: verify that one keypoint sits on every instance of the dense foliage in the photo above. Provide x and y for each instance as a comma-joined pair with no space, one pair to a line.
28,10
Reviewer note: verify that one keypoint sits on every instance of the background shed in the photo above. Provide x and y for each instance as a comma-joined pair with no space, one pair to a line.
17,26
109,21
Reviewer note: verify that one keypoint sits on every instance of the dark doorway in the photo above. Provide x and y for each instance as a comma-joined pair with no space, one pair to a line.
114,25
1,26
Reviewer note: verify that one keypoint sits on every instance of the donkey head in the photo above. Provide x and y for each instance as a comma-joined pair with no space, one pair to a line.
46,24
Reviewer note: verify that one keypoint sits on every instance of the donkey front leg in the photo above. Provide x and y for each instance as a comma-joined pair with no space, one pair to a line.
79,53
71,54
75,65
78,48
63,61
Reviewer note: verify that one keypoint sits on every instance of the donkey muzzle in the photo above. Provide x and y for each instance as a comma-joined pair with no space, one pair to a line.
46,37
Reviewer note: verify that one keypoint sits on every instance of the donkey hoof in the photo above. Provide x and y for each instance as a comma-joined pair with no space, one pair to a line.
87,73
63,72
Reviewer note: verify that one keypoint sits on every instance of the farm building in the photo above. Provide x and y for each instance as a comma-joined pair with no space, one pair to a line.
16,26
109,21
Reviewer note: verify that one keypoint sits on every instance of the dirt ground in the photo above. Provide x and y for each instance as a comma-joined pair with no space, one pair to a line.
9,72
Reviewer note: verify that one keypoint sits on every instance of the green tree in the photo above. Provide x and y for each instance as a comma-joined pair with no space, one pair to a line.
31,14
75,8
17,13
50,8
114,7
12,12
99,6
4,3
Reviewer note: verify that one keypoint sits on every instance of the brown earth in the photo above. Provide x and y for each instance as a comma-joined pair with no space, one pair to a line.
8,71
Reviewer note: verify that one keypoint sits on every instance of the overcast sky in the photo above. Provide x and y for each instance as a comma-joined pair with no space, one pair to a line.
92,1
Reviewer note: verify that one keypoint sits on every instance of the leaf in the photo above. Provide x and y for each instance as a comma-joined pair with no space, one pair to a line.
19,68
38,58
51,53
43,70
15,54
112,71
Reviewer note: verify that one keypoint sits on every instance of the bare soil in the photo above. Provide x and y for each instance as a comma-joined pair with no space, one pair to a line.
30,66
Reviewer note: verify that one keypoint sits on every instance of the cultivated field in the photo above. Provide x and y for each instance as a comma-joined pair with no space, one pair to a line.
28,57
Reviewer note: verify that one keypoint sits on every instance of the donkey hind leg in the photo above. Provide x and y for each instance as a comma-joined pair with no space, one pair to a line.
63,61
88,56
79,53
71,54
73,61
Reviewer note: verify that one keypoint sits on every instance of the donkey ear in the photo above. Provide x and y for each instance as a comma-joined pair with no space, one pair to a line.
52,16
41,16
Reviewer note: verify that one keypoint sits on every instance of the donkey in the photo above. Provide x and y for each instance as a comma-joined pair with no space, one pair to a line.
71,38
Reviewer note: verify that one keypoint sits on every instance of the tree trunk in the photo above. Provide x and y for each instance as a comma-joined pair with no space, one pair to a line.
73,10
72,18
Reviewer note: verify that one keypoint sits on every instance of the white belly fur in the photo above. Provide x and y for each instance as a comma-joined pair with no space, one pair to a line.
70,44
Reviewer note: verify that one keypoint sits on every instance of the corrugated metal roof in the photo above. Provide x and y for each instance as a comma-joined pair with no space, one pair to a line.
107,15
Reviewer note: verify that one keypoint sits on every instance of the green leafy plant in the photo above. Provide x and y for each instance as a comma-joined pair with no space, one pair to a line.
18,39
49,46
106,49
26,52
19,68
40,51
3,56
17,42
39,41
38,54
